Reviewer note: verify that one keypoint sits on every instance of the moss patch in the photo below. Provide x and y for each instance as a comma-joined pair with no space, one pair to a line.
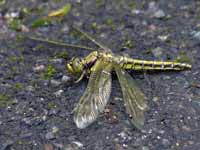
5,101
49,73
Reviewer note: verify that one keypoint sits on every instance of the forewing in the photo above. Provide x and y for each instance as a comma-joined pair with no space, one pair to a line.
134,99
96,95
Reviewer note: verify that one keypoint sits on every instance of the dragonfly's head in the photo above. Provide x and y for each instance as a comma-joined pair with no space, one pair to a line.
75,65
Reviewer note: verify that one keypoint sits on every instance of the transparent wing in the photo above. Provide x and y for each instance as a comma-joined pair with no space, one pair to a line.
96,95
134,99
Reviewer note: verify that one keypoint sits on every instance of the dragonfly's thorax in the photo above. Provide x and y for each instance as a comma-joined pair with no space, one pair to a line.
91,59
106,56
75,65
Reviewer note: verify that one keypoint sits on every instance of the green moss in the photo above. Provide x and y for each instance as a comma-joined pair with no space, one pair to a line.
61,12
110,23
41,22
51,105
5,101
22,142
21,49
63,55
14,59
18,86
34,83
39,47
20,38
14,70
132,5
2,2
129,44
94,25
183,58
148,51
66,9
21,58
15,24
25,11
99,3
49,72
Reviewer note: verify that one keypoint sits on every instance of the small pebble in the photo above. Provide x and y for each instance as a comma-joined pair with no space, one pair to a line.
79,144
166,142
57,60
157,52
163,37
65,78
155,99
155,11
55,83
196,34
159,14
38,68
136,11
145,148
55,129
50,135
123,135
53,112
27,121
58,93
11,15
30,88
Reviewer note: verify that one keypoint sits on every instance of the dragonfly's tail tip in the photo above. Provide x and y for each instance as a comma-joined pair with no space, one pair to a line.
189,66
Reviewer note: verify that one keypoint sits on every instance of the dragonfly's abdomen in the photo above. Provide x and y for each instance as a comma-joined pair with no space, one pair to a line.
135,64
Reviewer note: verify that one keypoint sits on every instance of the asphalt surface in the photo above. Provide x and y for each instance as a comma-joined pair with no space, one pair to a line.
37,94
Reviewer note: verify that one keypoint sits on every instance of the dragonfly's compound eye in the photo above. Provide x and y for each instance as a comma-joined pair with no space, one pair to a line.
75,65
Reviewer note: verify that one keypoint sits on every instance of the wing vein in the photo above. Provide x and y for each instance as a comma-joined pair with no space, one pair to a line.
134,99
96,95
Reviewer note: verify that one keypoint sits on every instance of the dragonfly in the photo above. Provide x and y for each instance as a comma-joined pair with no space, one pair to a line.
99,65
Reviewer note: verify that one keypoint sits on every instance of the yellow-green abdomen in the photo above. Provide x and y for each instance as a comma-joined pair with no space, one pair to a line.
136,64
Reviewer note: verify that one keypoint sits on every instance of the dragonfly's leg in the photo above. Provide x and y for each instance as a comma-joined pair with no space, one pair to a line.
81,77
